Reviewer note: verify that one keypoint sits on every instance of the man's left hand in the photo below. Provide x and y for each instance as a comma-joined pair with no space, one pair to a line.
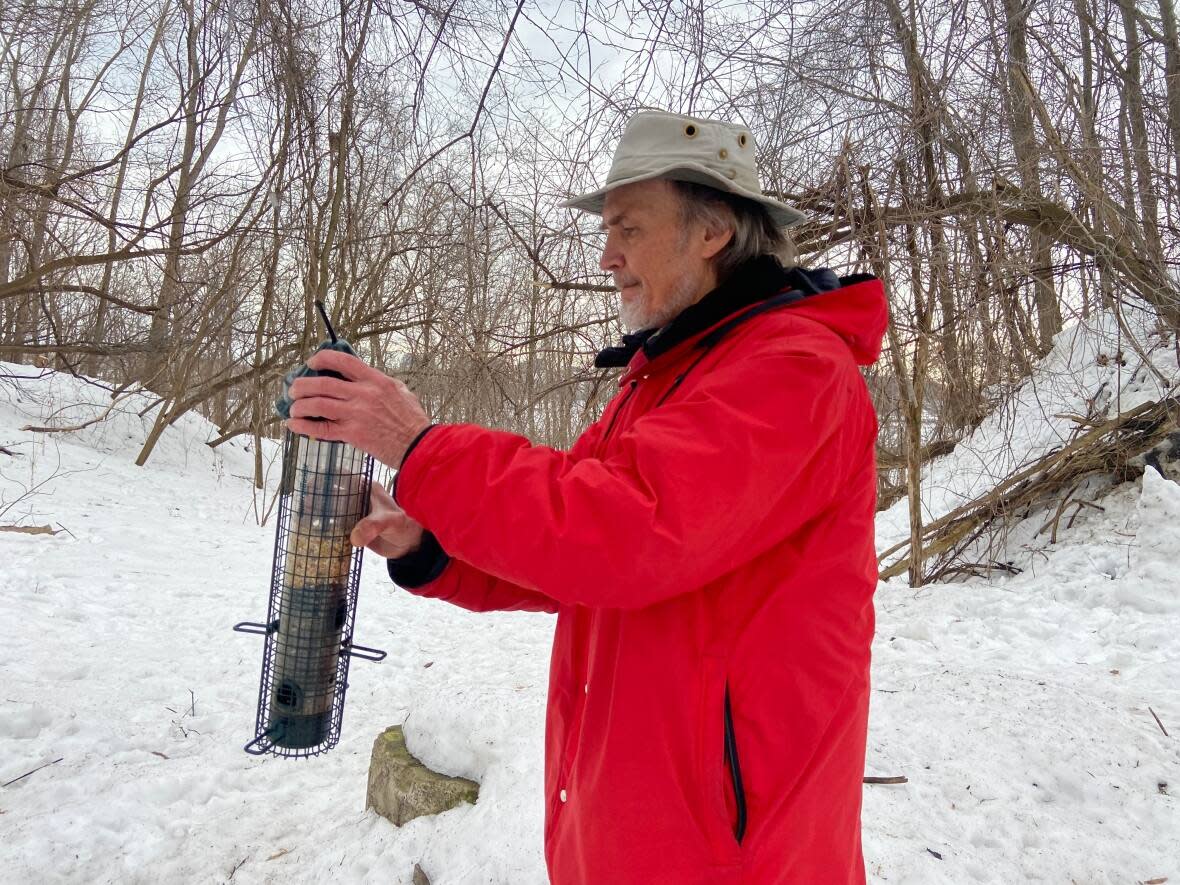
377,414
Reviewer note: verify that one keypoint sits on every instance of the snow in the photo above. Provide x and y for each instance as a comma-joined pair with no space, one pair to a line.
1094,370
1020,708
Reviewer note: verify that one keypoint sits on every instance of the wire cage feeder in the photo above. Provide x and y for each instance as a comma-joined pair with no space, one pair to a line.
315,578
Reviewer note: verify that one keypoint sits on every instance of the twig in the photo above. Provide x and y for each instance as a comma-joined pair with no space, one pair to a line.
238,866
54,762
192,709
1055,520
44,373
1081,504
1157,722
896,779
31,428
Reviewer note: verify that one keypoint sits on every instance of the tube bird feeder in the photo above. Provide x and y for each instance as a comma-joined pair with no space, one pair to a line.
315,578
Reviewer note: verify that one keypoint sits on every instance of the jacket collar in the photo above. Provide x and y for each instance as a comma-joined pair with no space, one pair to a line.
756,280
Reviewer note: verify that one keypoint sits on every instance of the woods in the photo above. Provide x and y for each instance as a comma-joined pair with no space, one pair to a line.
182,179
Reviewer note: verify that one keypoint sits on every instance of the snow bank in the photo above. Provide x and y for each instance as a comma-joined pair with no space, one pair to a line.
1093,370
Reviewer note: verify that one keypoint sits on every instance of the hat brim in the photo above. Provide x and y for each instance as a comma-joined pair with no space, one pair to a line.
780,213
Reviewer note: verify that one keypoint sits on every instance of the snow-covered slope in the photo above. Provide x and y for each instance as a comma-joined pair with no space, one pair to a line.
1017,709
1096,369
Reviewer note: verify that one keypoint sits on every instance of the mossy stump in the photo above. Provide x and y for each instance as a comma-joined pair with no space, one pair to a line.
401,788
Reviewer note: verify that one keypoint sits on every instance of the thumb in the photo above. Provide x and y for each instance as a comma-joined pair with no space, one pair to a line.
365,531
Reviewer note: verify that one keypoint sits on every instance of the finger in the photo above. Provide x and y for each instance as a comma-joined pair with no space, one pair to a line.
382,547
369,529
382,496
364,532
324,430
318,407
334,388
351,367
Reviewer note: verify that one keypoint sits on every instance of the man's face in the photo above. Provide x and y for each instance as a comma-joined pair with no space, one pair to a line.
660,264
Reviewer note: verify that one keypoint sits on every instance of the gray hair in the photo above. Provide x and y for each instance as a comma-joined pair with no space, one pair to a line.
754,234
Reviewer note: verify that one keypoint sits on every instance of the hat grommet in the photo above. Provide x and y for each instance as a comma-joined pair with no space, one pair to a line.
690,130
723,153
743,139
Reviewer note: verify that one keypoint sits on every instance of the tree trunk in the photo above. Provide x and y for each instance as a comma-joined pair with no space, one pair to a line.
1028,156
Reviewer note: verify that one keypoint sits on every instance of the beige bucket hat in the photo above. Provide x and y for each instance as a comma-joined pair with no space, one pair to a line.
656,144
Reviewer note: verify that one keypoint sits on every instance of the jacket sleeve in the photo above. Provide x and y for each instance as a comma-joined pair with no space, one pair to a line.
464,585
717,475
432,573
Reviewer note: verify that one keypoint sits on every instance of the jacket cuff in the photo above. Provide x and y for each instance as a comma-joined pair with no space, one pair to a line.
421,566
414,442
413,445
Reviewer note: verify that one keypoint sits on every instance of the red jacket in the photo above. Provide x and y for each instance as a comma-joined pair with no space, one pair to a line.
712,548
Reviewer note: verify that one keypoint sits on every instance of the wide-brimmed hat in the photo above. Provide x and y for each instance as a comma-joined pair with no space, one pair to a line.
656,144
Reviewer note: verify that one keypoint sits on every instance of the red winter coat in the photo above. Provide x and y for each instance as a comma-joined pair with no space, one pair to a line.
719,542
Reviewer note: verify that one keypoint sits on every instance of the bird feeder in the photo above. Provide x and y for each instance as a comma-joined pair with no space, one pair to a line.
315,578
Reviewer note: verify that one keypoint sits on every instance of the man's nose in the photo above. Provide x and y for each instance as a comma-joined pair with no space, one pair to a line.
612,258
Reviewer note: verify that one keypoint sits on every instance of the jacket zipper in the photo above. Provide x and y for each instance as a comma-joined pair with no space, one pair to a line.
735,771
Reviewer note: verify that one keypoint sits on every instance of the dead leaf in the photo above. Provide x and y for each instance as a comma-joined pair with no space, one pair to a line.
158,753
427,664
279,854
30,529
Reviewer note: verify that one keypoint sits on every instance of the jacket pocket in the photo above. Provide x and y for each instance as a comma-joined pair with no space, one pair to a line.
734,767
714,772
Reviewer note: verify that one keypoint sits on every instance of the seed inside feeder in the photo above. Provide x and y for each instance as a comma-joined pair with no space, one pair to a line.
327,500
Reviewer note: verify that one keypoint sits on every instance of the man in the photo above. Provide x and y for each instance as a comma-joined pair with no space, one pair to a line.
707,545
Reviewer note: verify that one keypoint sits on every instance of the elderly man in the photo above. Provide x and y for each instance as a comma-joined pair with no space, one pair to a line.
707,544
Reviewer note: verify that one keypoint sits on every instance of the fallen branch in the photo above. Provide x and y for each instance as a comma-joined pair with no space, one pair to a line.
1157,722
896,779
34,771
1106,448
76,427
30,529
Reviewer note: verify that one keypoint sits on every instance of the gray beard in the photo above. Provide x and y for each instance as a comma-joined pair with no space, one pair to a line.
638,315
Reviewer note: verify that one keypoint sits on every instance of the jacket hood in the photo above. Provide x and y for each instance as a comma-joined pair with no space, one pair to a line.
852,307
856,311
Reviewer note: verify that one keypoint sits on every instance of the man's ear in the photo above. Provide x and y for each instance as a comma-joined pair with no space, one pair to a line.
714,239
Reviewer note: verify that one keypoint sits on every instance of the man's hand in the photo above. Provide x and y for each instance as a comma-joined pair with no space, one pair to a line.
377,414
387,531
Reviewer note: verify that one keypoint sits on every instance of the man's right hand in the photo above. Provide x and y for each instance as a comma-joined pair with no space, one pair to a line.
387,531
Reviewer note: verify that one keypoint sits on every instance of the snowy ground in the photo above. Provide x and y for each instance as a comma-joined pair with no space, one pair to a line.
1018,708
